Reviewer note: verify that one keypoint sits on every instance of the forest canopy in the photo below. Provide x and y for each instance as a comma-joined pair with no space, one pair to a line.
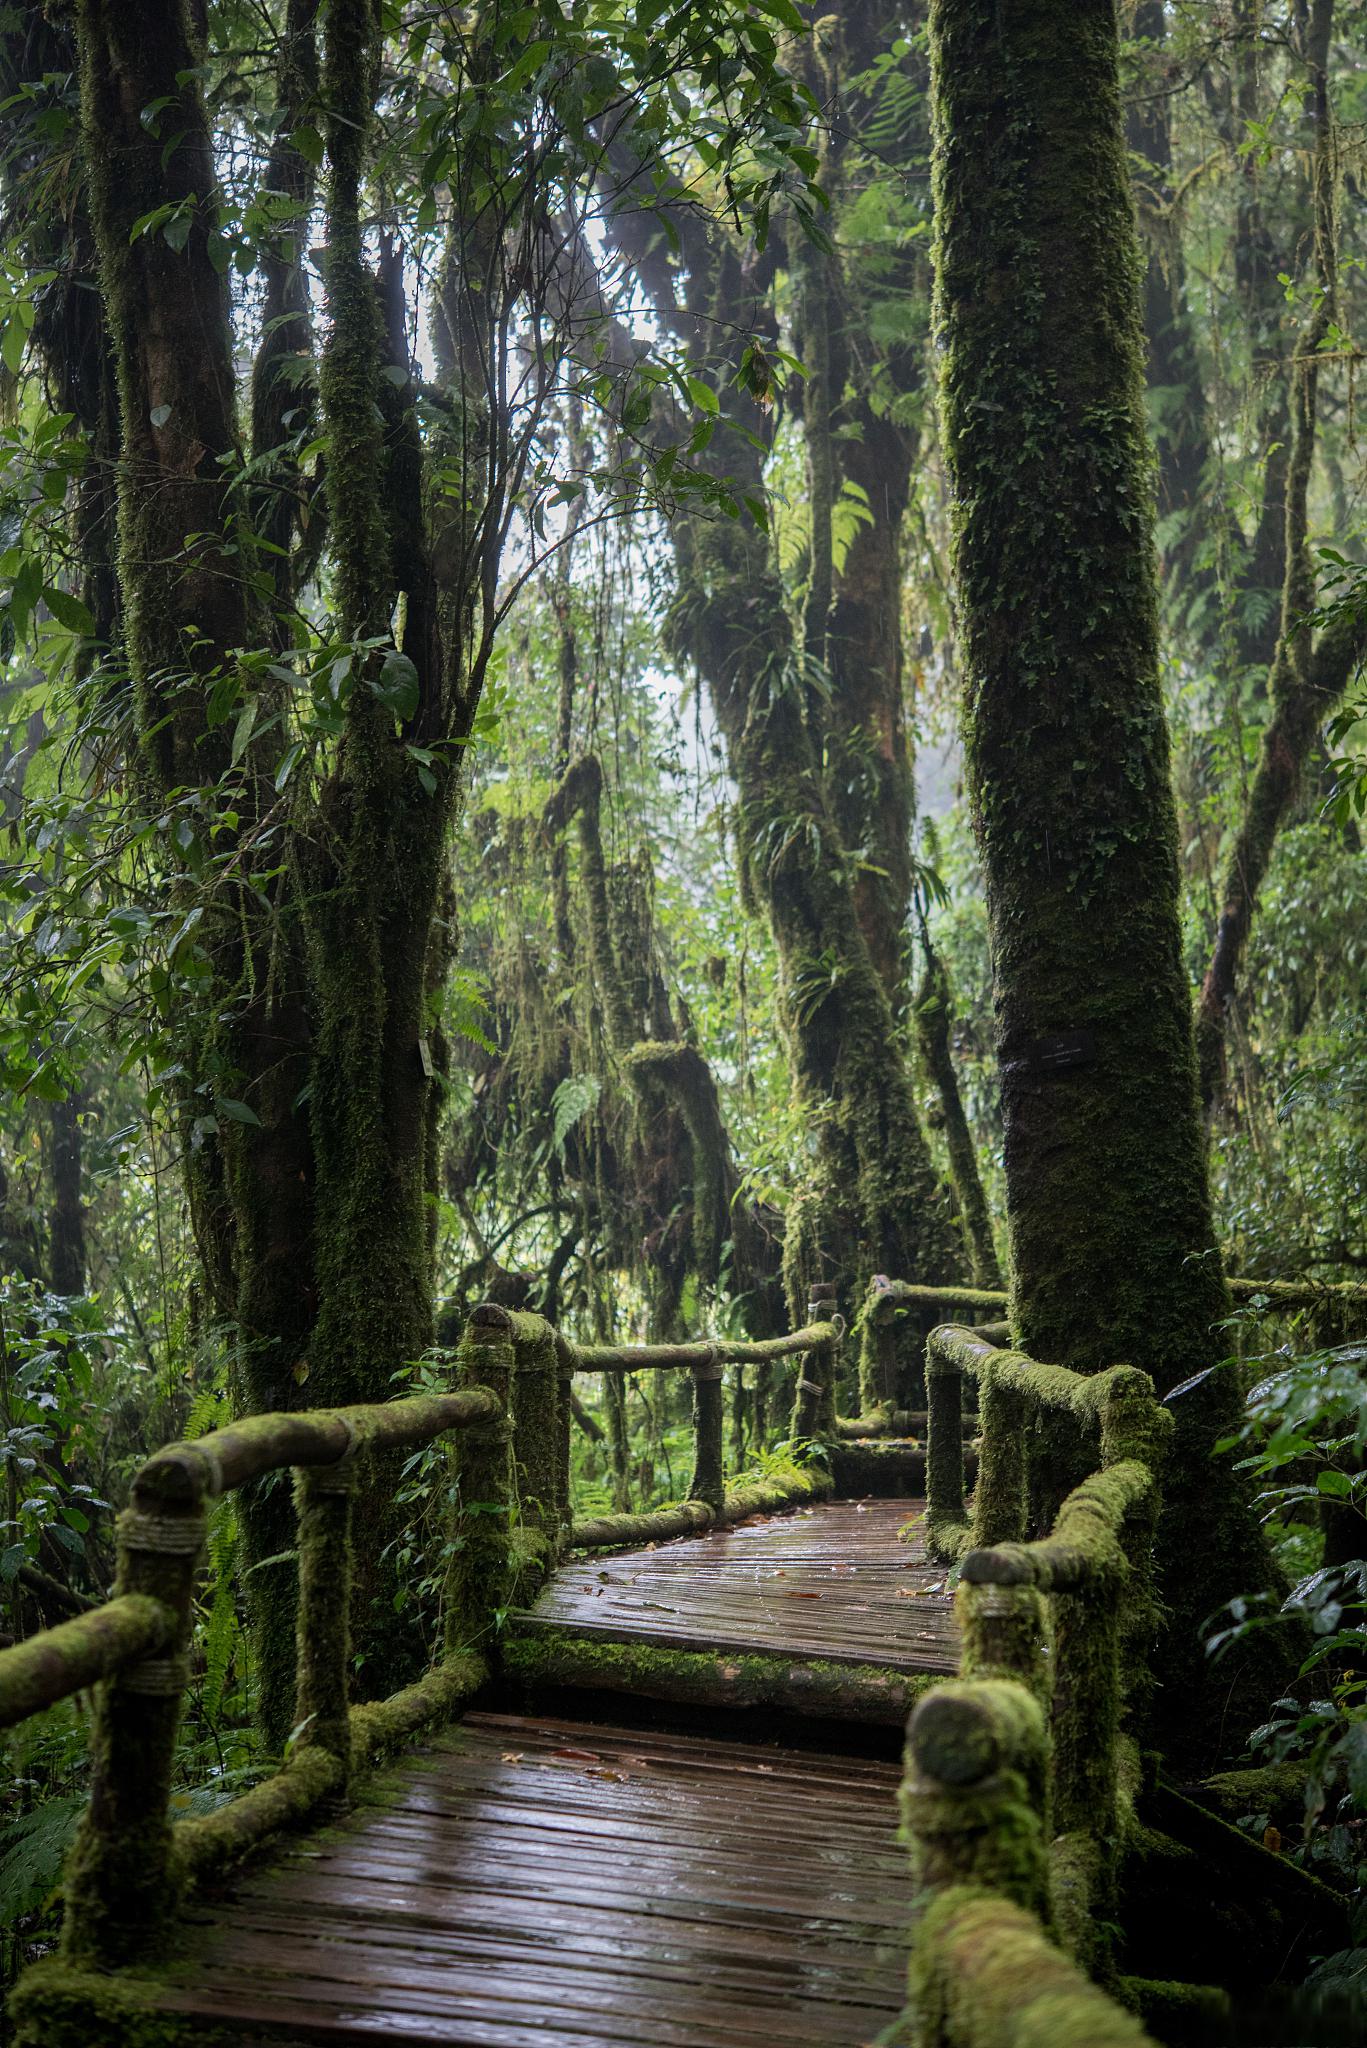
624,629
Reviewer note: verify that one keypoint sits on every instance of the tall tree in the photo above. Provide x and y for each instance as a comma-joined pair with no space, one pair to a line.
1112,1241
873,1201
1310,670
301,730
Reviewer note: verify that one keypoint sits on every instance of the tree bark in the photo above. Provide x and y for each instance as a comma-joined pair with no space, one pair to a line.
1309,674
1112,1241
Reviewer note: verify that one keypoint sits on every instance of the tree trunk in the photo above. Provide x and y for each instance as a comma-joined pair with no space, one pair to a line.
66,1218
933,1011
1112,1242
1308,675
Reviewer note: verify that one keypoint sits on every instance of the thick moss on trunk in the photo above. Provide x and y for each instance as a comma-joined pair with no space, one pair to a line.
1110,1225
185,614
876,1204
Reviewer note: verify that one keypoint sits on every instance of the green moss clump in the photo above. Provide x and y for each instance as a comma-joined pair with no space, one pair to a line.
815,1686
985,1975
974,1796
55,2005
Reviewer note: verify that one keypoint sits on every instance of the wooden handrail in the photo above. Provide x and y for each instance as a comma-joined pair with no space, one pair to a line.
708,1351
67,1659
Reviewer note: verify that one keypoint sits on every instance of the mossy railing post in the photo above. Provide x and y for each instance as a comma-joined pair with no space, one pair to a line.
1002,1635
817,1370
480,1564
536,1430
877,1350
999,1498
974,1793
829,1369
120,1889
945,1500
709,1472
323,1496
564,1424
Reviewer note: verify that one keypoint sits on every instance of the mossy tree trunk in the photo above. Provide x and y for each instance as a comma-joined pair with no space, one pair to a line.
1310,671
313,1210
873,1202
1112,1241
860,331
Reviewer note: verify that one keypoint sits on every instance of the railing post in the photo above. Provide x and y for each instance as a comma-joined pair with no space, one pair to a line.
1002,1634
877,1351
944,1437
564,1427
814,1393
973,1794
120,1888
479,1567
536,1429
323,1496
709,1476
999,1504
1086,1708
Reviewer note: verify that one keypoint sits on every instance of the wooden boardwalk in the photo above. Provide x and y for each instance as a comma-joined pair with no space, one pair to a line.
553,1884
833,1581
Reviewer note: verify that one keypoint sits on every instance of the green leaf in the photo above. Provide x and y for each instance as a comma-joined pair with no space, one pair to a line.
12,346
67,610
309,144
573,1099
239,1112
397,685
242,731
703,396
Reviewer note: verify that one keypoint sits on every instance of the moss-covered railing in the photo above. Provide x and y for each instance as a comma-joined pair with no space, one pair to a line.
889,1306
509,1420
710,1503
1020,1773
129,1868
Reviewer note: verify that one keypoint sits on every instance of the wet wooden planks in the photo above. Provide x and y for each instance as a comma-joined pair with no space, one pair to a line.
549,1884
832,1581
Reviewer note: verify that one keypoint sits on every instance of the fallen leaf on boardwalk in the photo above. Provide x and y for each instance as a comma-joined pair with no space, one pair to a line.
512,1756
613,1777
583,1756
790,1593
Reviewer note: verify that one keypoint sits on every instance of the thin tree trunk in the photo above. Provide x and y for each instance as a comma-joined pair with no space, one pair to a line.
1309,674
932,1014
66,1218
